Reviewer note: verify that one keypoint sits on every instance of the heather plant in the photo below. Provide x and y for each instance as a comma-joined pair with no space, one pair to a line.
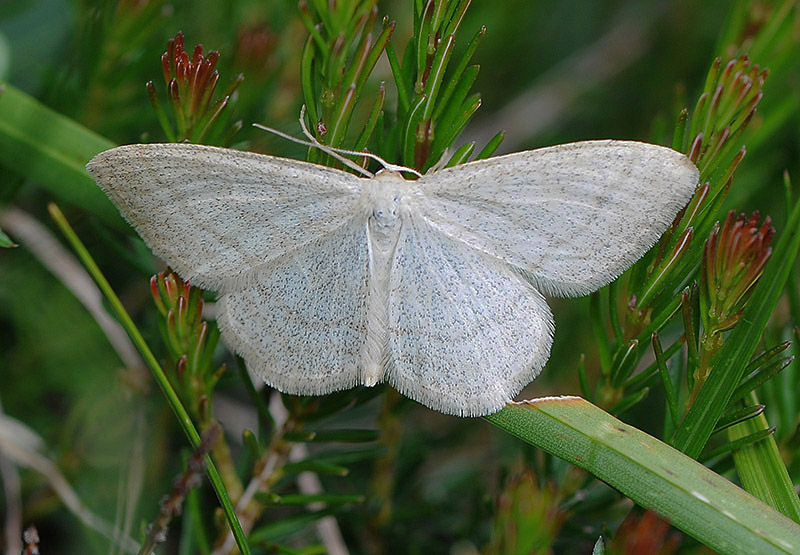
677,425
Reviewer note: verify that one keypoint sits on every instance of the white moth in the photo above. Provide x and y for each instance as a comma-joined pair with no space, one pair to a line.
328,280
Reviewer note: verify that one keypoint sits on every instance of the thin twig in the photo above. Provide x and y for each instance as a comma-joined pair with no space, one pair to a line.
307,482
171,505
275,456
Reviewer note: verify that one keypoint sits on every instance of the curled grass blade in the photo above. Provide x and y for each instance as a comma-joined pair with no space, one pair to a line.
653,474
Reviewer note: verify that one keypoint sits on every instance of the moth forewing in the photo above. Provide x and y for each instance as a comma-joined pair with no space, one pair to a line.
573,217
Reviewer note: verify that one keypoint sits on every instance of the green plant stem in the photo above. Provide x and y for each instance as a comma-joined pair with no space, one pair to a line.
598,329
709,345
225,463
182,415
730,362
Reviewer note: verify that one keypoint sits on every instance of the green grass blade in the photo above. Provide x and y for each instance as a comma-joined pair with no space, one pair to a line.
287,525
599,331
461,155
401,85
318,467
666,380
732,359
181,414
52,150
701,503
733,417
491,146
761,468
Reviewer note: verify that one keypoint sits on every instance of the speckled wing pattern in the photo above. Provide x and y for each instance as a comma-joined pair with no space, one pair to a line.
468,330
303,326
466,333
572,217
282,241
220,216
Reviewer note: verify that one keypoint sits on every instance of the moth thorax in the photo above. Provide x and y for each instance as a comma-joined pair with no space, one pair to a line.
384,201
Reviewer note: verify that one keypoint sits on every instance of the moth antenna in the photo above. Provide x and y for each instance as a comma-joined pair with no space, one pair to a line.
316,144
334,151
381,161
303,126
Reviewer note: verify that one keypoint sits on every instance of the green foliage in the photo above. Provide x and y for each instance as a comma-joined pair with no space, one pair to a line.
670,346
51,149
191,82
5,241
